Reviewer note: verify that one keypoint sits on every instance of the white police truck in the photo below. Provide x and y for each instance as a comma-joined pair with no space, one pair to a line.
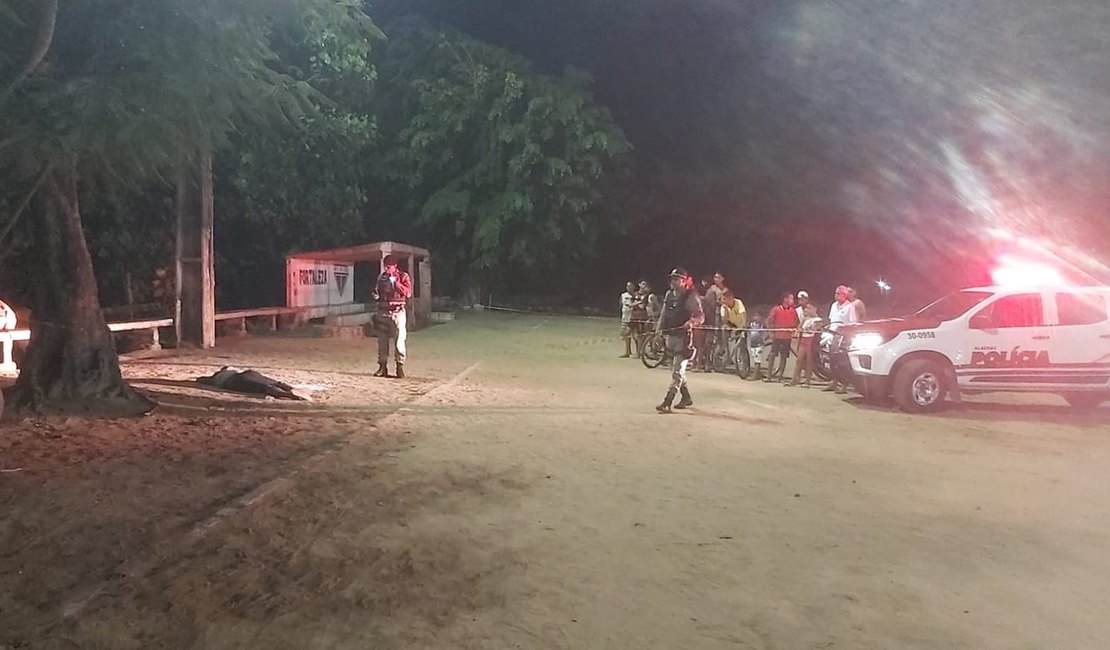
985,339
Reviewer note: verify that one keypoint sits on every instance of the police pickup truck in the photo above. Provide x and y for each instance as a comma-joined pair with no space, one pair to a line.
986,339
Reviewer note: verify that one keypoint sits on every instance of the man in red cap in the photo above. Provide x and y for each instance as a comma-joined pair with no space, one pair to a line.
682,312
392,293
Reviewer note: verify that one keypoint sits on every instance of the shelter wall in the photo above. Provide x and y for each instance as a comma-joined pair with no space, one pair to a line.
326,281
318,285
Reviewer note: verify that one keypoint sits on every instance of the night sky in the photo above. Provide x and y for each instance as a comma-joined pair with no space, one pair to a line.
794,143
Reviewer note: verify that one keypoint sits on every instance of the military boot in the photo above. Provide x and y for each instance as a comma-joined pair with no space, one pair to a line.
400,371
383,370
686,400
665,407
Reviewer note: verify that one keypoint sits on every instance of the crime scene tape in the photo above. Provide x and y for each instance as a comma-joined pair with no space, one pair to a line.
768,330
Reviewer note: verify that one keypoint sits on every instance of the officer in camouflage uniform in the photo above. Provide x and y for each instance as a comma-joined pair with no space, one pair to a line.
392,293
682,312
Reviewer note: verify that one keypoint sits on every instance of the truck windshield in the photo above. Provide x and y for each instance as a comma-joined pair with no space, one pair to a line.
952,305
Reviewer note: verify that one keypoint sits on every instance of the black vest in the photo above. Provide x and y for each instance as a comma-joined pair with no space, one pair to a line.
675,309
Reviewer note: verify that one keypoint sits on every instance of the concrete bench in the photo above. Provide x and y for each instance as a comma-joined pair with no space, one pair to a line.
270,319
8,339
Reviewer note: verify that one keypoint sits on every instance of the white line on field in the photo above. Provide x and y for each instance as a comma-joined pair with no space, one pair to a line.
450,383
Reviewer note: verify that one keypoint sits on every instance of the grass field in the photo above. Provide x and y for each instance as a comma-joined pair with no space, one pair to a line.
519,491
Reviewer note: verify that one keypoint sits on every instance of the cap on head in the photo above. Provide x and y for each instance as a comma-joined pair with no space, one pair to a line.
803,294
679,272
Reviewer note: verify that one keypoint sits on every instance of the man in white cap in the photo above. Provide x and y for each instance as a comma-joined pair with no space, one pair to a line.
803,301
682,312
809,325
842,312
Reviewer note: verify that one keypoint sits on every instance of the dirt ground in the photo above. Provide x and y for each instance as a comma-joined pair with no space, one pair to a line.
520,492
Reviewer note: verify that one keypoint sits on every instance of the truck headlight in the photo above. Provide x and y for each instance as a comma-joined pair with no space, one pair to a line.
866,341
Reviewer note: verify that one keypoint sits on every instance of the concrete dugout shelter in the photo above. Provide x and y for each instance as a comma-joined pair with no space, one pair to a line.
339,282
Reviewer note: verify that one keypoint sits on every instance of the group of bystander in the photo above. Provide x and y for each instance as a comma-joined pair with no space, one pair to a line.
698,318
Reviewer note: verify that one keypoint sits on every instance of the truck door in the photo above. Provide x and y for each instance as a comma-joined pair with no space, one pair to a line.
1081,337
1011,345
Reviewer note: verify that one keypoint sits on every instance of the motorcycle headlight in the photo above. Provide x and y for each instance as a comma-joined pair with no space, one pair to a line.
866,341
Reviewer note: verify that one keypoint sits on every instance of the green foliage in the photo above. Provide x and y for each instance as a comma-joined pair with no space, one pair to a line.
134,89
285,190
132,92
501,164
454,144
130,234
300,185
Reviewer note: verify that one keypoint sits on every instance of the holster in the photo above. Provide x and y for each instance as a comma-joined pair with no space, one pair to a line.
382,322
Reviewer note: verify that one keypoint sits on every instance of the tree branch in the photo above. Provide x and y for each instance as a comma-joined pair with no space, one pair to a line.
23,204
43,39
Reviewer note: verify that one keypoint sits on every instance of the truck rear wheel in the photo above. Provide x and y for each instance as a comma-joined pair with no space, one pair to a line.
920,386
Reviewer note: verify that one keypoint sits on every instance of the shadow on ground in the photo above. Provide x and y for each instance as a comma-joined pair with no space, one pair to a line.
998,412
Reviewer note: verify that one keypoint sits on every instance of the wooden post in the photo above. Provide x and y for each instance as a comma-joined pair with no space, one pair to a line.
8,364
130,294
195,316
425,301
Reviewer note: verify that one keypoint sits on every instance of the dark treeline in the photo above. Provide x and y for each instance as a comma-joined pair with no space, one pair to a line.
790,142
417,132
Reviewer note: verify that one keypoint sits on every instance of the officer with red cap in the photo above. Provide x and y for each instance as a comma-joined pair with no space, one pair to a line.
392,293
682,312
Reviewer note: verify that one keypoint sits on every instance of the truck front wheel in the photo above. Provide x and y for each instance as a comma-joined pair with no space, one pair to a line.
920,386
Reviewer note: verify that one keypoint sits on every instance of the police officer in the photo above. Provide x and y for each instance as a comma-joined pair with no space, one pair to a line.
682,312
392,293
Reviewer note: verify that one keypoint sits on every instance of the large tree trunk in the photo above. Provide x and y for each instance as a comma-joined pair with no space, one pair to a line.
71,365
44,36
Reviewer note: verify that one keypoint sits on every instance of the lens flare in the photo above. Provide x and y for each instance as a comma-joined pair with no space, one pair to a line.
1017,273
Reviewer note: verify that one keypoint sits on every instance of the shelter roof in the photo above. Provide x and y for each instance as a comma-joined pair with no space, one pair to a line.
363,253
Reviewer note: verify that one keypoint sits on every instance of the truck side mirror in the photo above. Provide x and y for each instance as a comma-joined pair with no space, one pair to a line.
981,321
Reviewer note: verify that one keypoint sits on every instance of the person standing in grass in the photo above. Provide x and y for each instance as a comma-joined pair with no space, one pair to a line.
682,313
784,321
392,293
628,301
842,312
857,304
807,345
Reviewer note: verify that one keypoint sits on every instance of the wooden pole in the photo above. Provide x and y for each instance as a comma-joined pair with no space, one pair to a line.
195,316
130,294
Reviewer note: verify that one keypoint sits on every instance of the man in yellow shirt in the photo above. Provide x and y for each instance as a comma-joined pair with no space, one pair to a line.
736,316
